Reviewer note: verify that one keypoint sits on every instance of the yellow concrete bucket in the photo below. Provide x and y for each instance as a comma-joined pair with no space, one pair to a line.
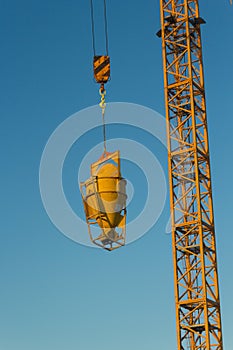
104,198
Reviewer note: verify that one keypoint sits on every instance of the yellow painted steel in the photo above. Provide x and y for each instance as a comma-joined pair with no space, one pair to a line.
198,316
104,197
101,66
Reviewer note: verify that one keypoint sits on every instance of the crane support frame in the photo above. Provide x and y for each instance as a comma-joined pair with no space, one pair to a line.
198,316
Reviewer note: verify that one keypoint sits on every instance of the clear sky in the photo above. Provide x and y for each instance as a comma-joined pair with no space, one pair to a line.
56,294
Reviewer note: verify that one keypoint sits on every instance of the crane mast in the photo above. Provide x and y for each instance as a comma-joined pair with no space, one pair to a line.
198,317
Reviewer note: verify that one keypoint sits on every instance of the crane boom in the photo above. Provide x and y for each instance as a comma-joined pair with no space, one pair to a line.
198,315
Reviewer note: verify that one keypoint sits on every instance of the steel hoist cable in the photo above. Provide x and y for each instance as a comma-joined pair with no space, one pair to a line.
93,27
101,65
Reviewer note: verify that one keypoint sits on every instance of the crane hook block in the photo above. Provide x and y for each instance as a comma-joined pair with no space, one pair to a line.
104,199
101,66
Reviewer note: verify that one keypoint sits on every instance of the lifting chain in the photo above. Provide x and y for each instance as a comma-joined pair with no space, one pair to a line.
102,105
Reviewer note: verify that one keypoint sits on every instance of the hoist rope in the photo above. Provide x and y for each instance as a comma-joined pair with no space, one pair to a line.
93,27
106,27
102,90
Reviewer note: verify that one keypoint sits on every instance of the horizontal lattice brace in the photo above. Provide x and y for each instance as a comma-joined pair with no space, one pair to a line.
182,152
170,10
191,235
198,329
175,72
174,34
189,250
179,145
181,107
178,15
175,75
179,84
192,260
193,319
184,180
183,165
187,177
181,219
182,155
191,316
186,215
181,102
192,303
180,96
180,110
189,226
184,291
176,59
180,90
192,247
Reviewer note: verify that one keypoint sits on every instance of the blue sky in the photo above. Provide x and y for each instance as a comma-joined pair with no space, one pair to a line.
57,294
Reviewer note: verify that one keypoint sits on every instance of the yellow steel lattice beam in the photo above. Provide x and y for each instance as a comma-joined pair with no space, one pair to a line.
198,315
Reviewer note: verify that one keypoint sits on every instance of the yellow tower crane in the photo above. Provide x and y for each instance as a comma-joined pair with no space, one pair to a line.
198,316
